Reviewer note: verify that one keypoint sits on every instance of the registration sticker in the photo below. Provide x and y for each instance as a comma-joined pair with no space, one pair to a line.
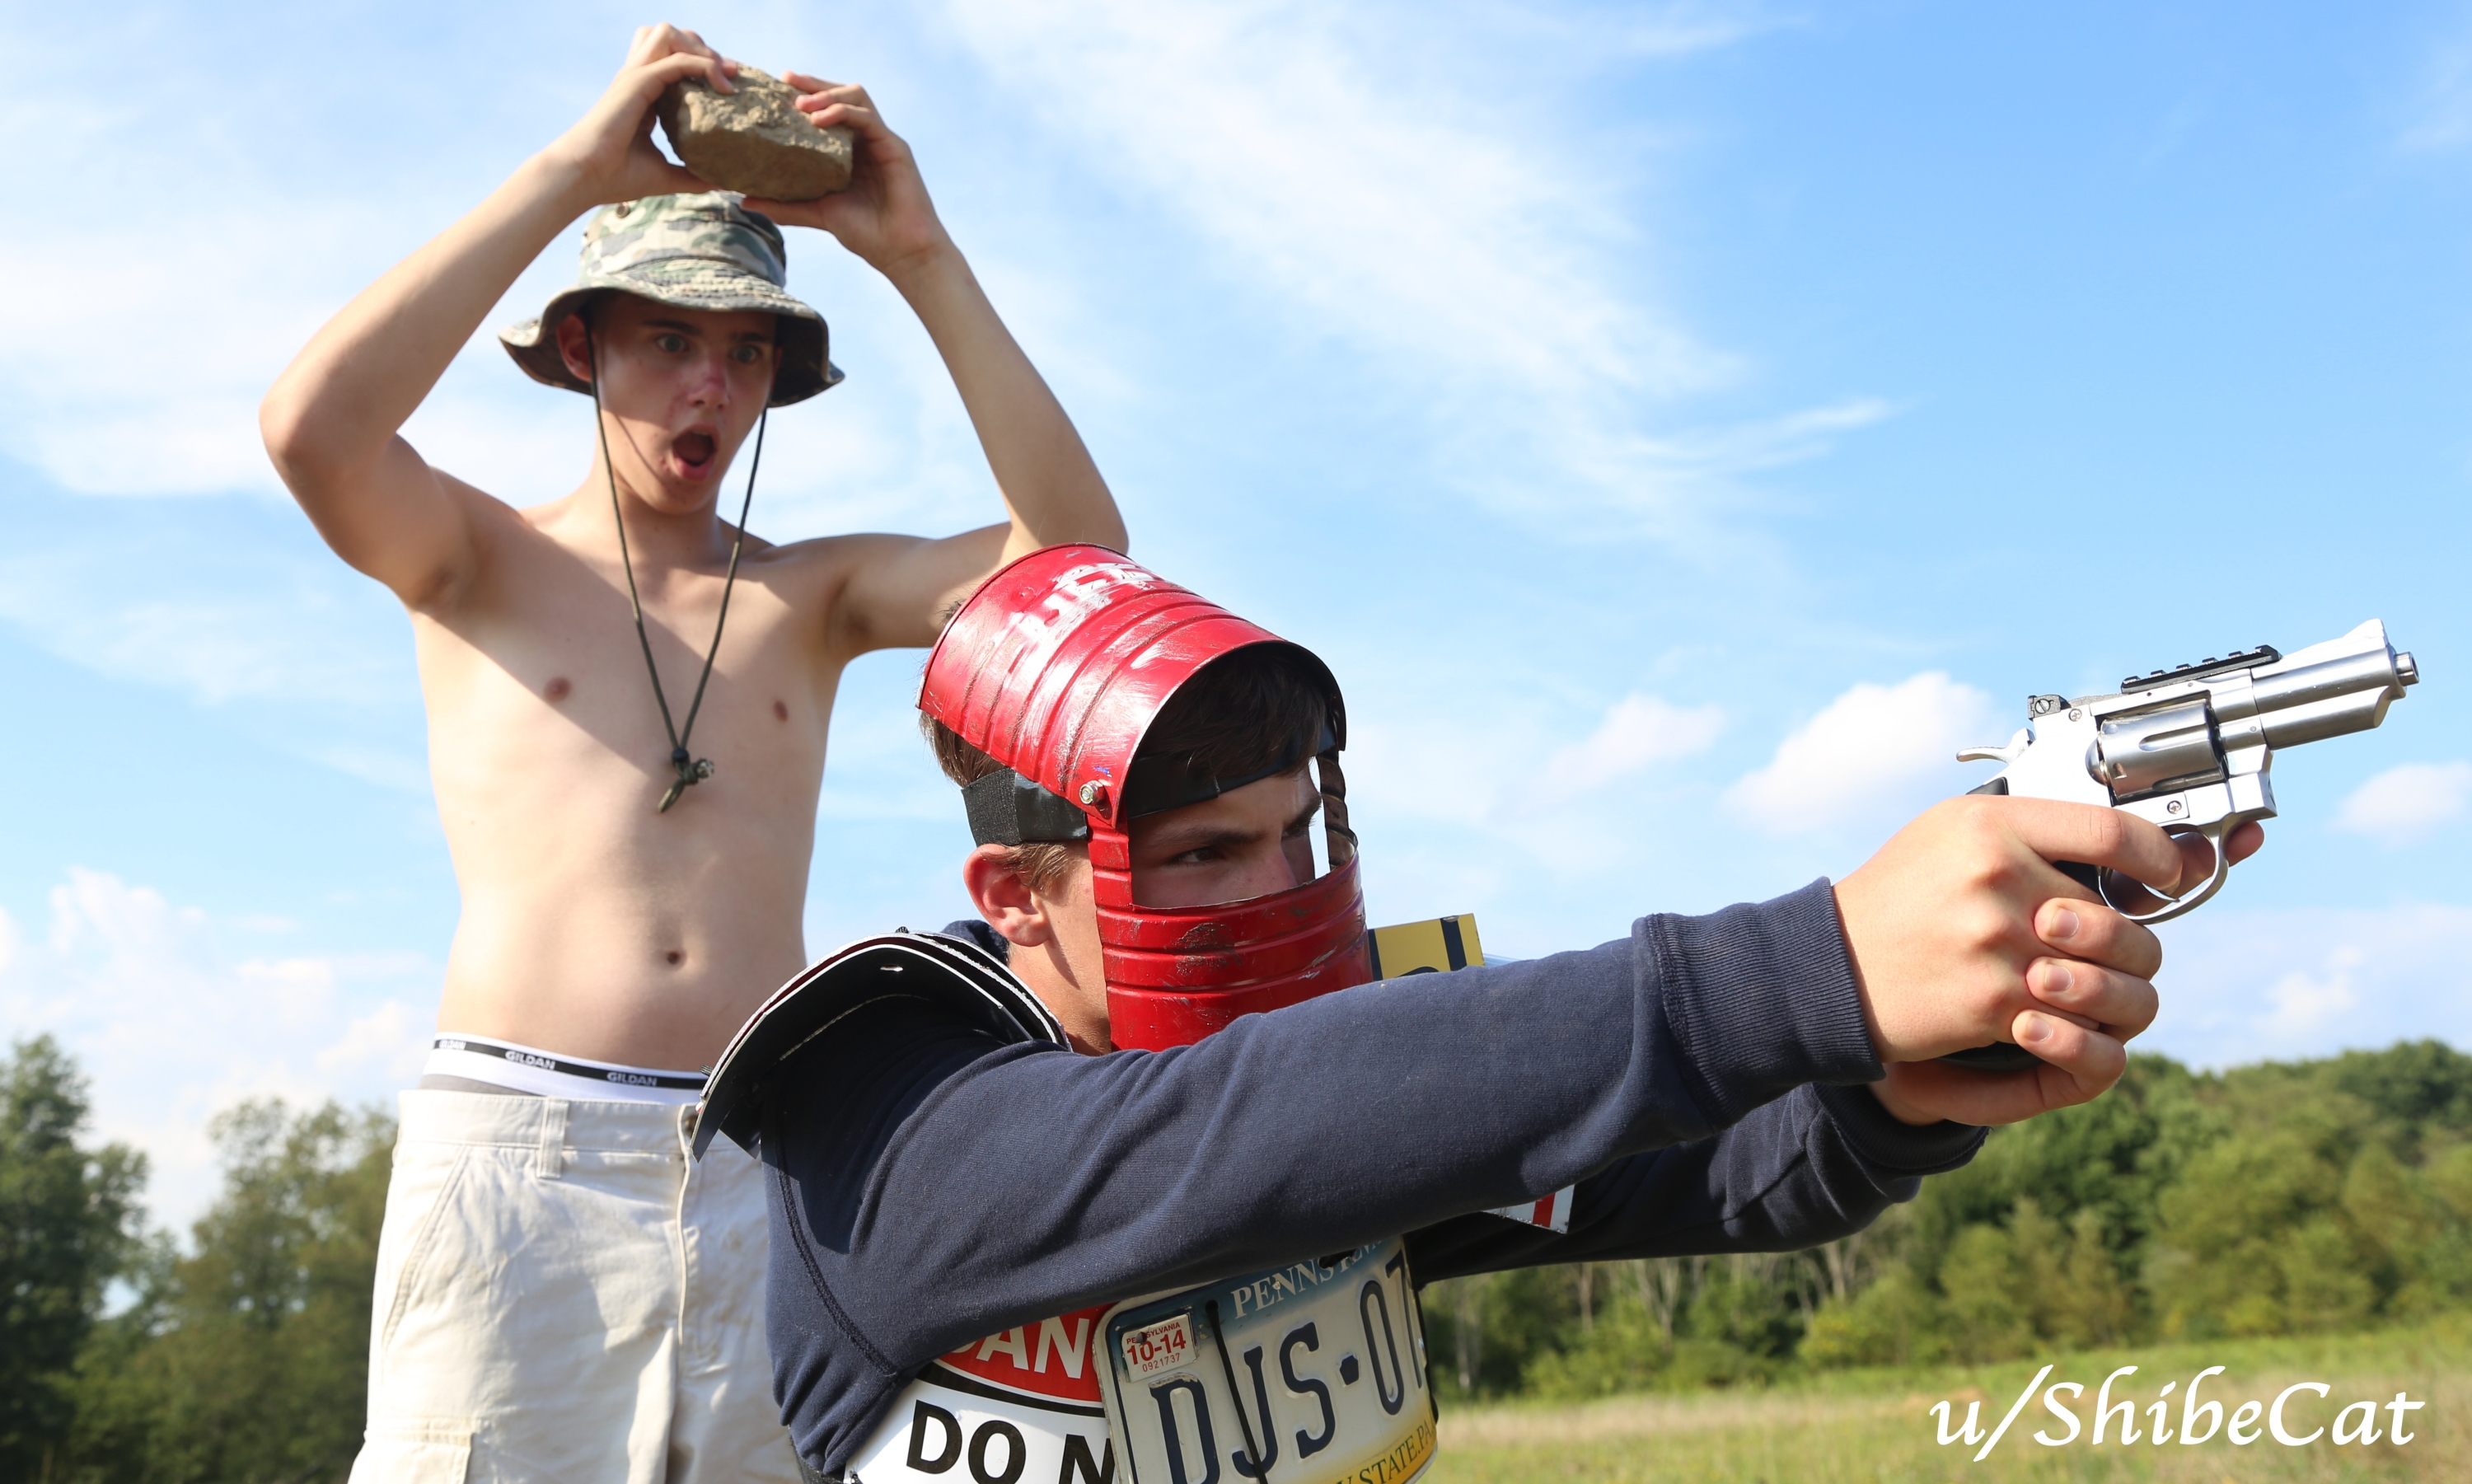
1159,1348
1313,1373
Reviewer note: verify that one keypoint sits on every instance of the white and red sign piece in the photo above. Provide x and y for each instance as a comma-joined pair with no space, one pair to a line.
1023,1405
1553,1212
1051,1361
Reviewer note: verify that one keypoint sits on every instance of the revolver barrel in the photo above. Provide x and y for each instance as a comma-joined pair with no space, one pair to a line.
2333,697
2199,725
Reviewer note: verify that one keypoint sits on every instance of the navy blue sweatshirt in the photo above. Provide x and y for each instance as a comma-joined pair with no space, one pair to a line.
1700,1081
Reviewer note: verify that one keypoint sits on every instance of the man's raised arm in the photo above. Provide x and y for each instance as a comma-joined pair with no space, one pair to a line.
1051,487
330,420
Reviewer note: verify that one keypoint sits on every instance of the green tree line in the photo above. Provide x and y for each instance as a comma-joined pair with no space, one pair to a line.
2281,1198
243,1357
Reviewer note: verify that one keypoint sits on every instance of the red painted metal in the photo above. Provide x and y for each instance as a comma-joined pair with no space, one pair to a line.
1055,667
1217,963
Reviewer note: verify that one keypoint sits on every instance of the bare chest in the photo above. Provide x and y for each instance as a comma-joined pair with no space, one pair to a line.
545,699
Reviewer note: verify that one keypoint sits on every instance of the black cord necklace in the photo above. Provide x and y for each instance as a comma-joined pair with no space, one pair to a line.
690,770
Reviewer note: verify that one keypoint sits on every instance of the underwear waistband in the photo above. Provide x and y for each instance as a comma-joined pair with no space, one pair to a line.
520,1068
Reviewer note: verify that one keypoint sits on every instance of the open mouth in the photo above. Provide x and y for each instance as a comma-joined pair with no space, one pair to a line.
694,450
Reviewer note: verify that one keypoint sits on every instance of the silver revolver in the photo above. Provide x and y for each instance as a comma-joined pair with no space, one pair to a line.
2191,748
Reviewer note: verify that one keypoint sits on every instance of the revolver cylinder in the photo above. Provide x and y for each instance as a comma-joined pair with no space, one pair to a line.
2154,751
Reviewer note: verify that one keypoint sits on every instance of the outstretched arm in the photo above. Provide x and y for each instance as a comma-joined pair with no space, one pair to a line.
330,420
1051,488
930,1188
1816,1165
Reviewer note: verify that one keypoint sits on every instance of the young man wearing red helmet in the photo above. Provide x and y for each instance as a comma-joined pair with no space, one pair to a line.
1160,1254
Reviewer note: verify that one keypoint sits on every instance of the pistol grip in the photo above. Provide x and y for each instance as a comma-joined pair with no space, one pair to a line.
1998,1057
2002,1056
2088,877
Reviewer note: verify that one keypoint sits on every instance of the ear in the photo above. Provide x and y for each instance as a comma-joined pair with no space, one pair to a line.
1017,914
575,347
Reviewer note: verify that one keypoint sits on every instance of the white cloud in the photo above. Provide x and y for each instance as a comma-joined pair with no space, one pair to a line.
2304,1002
1546,819
1417,753
209,312
2407,803
1874,748
1355,165
1418,191
387,769
1639,732
255,644
380,1038
210,600
139,367
172,1028
1382,206
2439,105
2244,984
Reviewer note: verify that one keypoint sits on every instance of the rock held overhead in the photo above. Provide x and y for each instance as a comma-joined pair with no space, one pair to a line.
755,140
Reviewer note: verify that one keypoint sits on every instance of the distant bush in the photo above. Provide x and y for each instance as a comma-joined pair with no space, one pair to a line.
2300,1198
1896,1321
247,1358
243,1358
68,1226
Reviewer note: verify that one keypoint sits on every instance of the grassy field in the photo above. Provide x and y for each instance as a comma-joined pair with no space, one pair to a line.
1877,1426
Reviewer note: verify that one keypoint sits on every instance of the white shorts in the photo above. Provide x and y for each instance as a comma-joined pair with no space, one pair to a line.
562,1295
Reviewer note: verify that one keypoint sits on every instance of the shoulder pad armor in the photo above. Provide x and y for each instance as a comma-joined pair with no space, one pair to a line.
958,975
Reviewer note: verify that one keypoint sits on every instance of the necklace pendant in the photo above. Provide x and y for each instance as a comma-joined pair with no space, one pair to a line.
690,773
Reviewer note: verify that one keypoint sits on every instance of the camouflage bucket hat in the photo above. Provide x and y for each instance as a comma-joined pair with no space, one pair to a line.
702,251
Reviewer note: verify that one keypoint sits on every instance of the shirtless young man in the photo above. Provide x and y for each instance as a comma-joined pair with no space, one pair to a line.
561,1295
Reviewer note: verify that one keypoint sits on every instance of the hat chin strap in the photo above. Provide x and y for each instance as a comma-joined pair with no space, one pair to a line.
690,769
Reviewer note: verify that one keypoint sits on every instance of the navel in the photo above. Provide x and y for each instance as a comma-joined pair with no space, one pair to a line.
676,956
781,709
558,689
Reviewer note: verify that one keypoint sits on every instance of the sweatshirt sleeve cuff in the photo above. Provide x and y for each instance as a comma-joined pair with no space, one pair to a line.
1895,1147
1762,998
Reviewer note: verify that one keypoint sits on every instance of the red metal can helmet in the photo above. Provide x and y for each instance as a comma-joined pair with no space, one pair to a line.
1056,668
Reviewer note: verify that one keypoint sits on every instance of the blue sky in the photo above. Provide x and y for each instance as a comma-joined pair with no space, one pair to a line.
1615,395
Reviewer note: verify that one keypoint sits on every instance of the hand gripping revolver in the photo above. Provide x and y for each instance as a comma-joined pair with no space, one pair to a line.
2190,749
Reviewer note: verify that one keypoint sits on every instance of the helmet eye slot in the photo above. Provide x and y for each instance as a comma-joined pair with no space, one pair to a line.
1155,785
